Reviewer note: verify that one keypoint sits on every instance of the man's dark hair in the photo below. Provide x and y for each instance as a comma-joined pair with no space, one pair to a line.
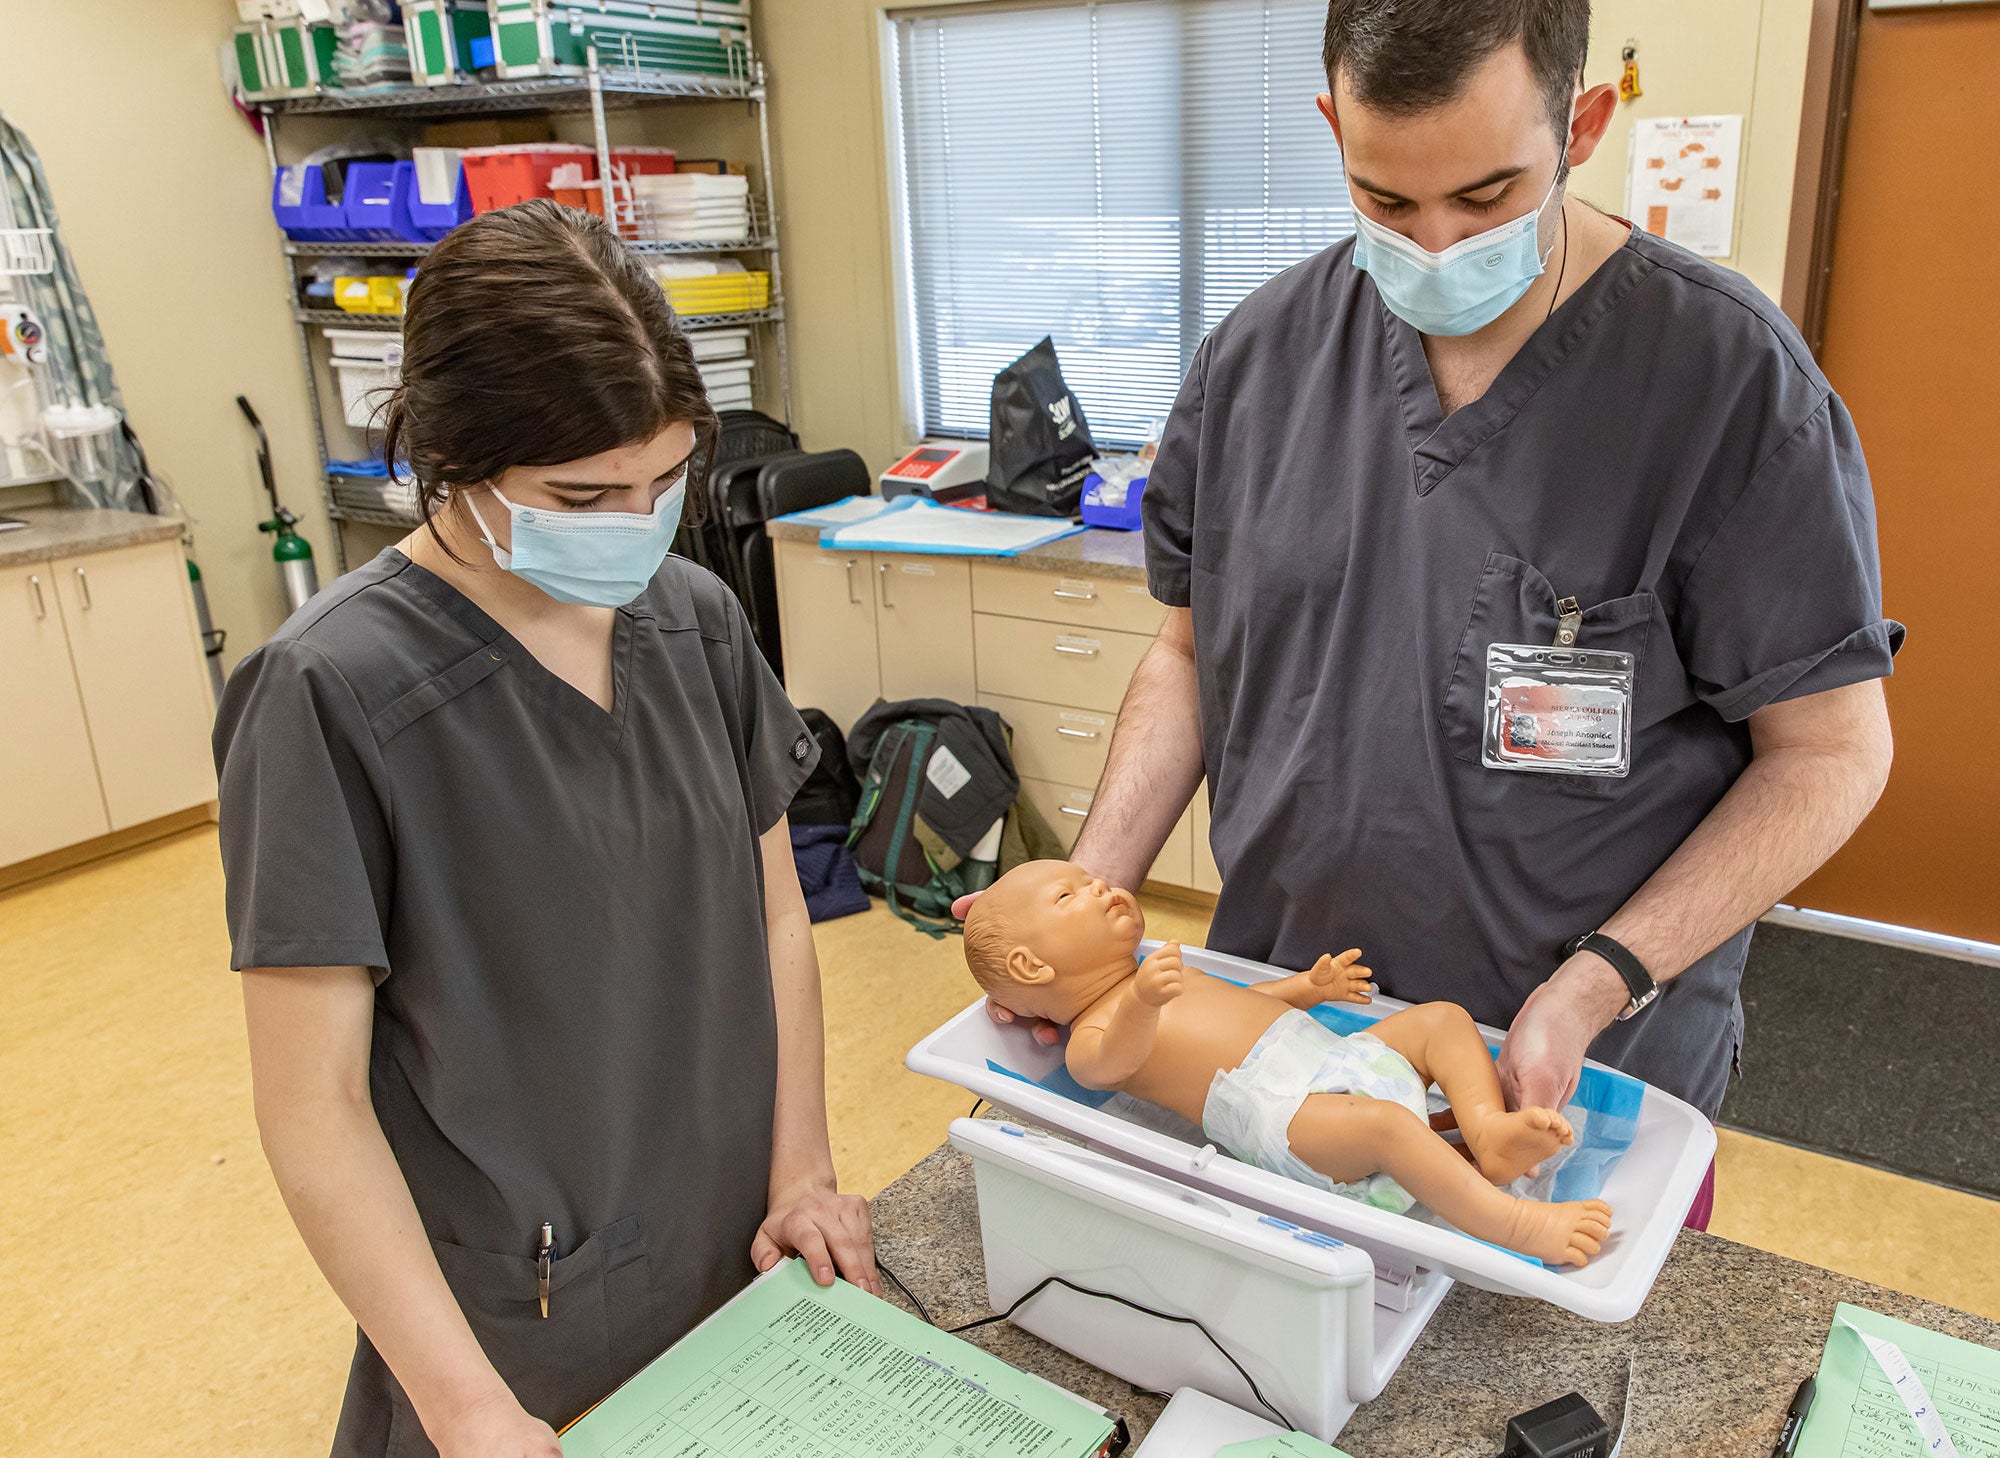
1404,57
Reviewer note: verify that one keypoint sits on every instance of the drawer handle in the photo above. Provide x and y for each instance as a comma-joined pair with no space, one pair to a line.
1068,596
83,586
41,607
1076,651
1072,810
853,598
1069,733
884,570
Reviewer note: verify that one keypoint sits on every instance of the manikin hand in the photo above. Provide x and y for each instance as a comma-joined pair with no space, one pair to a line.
1160,978
1342,978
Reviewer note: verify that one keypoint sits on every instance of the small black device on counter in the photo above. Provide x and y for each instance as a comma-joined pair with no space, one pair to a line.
1569,1427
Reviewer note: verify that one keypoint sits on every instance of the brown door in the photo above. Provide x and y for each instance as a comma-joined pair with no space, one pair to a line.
1913,345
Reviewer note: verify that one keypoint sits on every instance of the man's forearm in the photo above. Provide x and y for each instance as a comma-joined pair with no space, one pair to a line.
1791,809
348,1197
1154,764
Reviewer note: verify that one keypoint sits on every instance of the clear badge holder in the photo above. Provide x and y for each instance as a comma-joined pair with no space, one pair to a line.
1557,709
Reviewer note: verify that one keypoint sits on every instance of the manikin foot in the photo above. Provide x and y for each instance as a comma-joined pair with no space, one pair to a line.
1507,1146
1568,1234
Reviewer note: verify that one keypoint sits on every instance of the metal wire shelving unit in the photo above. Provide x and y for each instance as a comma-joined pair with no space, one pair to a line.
598,89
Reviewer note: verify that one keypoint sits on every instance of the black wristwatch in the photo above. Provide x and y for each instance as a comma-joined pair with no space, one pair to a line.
1637,979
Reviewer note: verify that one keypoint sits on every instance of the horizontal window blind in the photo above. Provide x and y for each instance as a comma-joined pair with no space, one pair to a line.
1115,175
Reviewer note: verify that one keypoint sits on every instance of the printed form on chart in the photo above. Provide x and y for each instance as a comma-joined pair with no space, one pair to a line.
790,1370
1859,1413
1680,180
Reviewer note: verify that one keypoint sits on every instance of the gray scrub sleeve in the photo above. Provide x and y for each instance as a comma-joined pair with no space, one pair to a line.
779,751
1785,600
1167,508
304,824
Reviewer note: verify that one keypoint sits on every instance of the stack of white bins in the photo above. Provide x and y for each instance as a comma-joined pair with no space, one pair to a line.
692,207
723,356
367,362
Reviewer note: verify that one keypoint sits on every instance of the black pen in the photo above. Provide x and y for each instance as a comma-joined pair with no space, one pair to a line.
1795,1420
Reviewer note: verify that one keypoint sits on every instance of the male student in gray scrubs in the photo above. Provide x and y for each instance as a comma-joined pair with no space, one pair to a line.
1498,416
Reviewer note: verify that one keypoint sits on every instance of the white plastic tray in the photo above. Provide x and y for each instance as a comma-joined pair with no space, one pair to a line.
1650,1190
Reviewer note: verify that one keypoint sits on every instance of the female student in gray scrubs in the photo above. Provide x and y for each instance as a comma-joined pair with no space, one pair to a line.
534,1013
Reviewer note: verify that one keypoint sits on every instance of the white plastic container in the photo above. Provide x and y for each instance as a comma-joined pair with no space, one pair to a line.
366,362
719,344
1294,1307
27,251
1650,1190
723,376
80,439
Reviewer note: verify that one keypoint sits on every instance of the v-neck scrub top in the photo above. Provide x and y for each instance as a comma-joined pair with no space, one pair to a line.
563,910
1664,450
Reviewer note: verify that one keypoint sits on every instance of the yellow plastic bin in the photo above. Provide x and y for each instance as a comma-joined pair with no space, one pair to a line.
377,294
721,293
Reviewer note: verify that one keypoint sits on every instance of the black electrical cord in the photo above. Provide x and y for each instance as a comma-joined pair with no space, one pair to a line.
908,1295
975,1108
1049,1281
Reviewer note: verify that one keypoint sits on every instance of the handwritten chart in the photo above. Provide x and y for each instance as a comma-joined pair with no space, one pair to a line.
789,1370
1859,1414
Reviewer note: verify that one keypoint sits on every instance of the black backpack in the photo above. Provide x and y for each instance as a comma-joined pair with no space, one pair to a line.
832,792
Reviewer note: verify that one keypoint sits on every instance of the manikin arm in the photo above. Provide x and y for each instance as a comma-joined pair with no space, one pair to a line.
1332,979
1105,1049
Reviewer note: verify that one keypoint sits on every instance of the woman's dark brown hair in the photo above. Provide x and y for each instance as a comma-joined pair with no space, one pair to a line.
532,336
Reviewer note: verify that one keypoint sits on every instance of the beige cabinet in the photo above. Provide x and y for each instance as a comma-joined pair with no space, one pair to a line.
52,798
1067,807
1083,602
1054,663
137,654
923,626
826,618
104,706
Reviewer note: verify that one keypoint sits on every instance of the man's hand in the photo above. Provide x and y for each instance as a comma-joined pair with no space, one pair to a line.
827,1228
497,1427
1542,1058
1044,1030
1160,978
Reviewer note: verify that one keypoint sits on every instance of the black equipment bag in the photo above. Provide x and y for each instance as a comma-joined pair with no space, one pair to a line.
1038,440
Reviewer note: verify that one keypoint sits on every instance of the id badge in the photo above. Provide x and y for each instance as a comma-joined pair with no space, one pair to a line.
1558,711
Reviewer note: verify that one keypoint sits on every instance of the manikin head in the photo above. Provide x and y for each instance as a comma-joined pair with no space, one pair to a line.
1048,939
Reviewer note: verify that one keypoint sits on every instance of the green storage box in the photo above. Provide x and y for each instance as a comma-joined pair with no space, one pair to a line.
277,58
440,34
708,39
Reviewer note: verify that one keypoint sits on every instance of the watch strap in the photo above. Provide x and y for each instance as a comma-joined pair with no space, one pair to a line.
1638,981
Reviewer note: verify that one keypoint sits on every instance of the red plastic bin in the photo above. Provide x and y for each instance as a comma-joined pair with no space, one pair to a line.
498,177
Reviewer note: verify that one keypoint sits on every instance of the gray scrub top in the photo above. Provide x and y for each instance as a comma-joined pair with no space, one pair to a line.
1663,449
563,910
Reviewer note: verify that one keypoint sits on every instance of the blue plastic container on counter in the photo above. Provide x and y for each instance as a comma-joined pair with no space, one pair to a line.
422,222
1123,518
312,219
368,198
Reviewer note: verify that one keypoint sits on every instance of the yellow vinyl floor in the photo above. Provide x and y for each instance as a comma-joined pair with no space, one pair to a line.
155,1299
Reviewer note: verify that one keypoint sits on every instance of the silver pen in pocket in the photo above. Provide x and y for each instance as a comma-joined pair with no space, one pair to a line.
543,1259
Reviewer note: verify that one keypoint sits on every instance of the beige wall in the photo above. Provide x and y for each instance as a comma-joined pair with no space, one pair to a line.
1696,56
163,193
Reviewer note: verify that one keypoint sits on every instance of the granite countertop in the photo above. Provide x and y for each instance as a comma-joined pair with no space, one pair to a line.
69,531
1101,553
1722,1342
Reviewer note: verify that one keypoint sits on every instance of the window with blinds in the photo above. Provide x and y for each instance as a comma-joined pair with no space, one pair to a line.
1117,175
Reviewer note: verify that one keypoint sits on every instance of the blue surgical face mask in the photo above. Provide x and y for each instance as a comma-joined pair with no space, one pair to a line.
591,558
1462,289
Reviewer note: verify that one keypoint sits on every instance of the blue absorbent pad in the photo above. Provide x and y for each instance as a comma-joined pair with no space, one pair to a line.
1604,1111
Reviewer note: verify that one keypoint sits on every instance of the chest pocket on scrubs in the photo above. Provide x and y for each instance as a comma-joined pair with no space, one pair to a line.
1515,603
600,1328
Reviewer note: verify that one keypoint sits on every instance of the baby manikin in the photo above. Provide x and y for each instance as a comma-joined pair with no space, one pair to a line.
1262,1077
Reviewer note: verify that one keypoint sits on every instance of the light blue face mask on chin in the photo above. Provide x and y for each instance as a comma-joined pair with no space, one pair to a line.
590,558
1462,289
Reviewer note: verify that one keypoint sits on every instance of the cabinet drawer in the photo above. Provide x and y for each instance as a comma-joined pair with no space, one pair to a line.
1052,742
1116,603
1050,663
1066,807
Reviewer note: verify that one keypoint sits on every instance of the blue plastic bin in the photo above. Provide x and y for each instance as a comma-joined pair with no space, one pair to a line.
368,197
1124,518
422,222
312,219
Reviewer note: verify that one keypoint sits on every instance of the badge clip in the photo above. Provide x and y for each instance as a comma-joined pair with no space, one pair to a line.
1569,622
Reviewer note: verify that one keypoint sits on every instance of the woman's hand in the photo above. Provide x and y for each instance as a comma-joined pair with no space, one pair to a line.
496,1427
829,1230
